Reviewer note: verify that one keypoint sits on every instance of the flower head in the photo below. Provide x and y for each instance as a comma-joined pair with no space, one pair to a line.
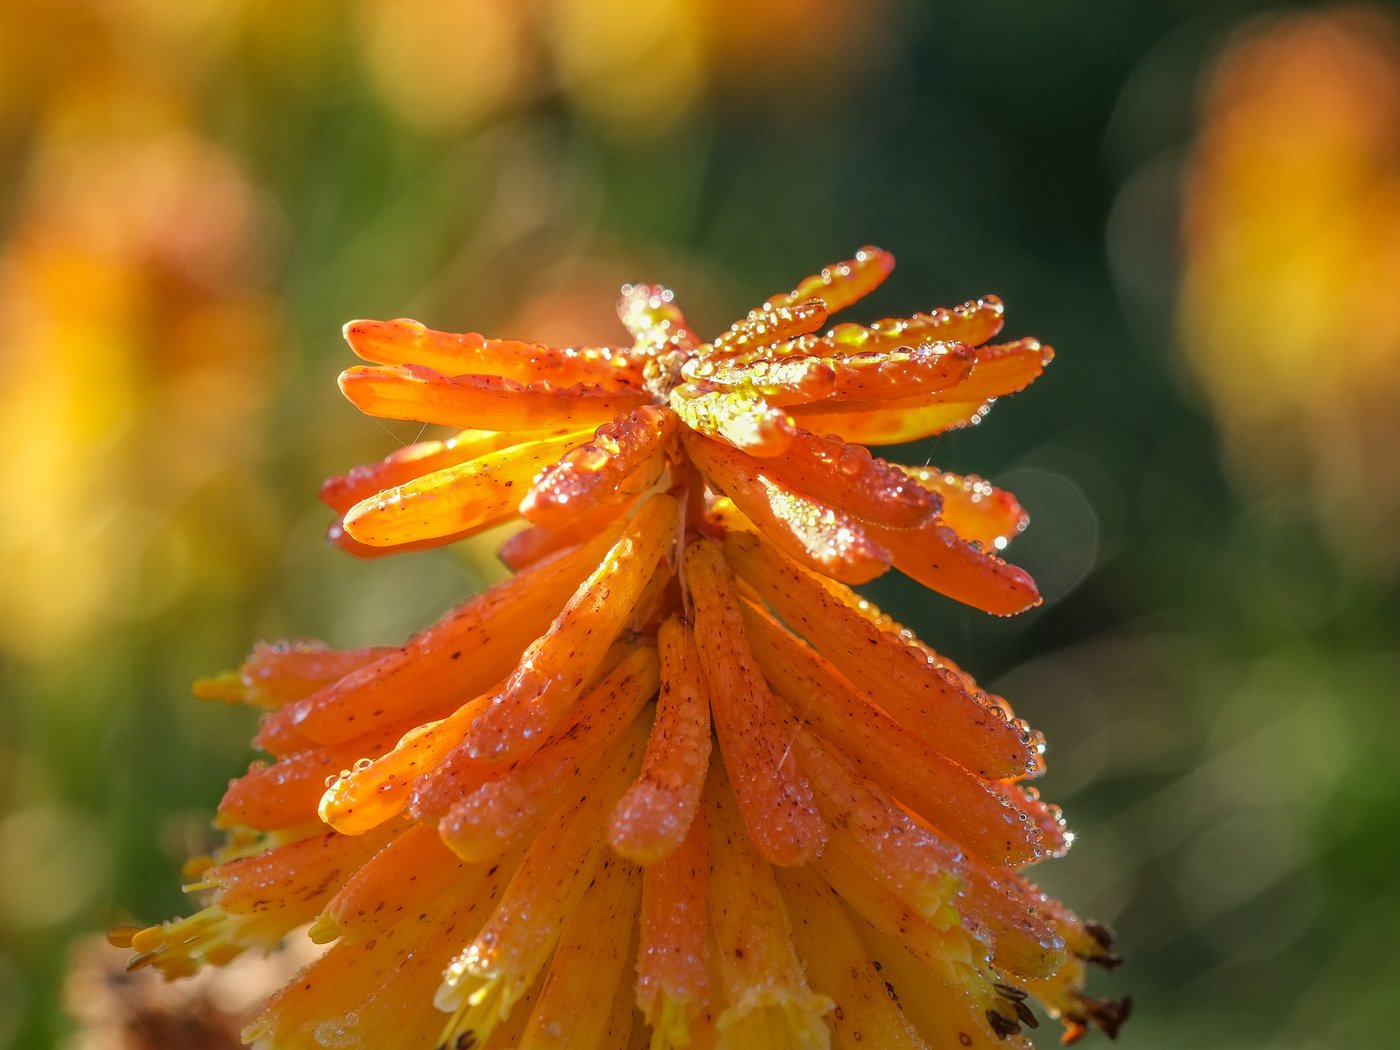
674,775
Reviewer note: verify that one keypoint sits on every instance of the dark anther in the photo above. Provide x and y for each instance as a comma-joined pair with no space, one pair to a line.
1107,1014
1107,939
1003,1026
465,1041
1010,991
1024,1013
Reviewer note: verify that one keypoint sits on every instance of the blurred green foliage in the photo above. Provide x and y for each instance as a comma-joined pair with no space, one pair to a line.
1215,675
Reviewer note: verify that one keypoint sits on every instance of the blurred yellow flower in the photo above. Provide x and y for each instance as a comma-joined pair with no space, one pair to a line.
1292,244
674,743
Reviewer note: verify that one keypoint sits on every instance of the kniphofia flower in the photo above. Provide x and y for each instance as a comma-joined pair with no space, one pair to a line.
674,780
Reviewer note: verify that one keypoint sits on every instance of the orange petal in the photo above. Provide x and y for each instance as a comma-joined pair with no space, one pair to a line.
650,313
841,284
559,663
371,792
763,980
532,544
774,797
673,974
822,537
740,417
1014,919
770,324
914,684
463,654
966,809
898,374
406,342
972,323
905,856
976,510
651,819
481,825
948,1003
482,984
789,381
289,885
343,491
889,422
623,460
484,402
938,558
998,371
276,673
337,537
455,499
849,478
286,793
576,997
838,966
415,872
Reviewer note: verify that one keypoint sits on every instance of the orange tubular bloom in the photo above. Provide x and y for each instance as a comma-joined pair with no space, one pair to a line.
674,742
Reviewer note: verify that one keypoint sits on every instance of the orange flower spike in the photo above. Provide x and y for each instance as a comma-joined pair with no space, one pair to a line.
343,491
840,284
976,510
849,477
673,972
775,798
277,673
1013,918
485,401
824,538
915,687
457,499
403,342
771,324
286,792
964,808
488,820
623,460
470,649
413,873
792,381
740,417
558,664
937,557
906,857
576,998
973,323
482,984
376,790
652,817
763,980
839,966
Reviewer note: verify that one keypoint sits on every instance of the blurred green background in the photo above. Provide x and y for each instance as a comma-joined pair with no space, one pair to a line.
1197,203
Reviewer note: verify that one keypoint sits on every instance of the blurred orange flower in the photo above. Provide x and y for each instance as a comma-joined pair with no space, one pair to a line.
675,742
1292,239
